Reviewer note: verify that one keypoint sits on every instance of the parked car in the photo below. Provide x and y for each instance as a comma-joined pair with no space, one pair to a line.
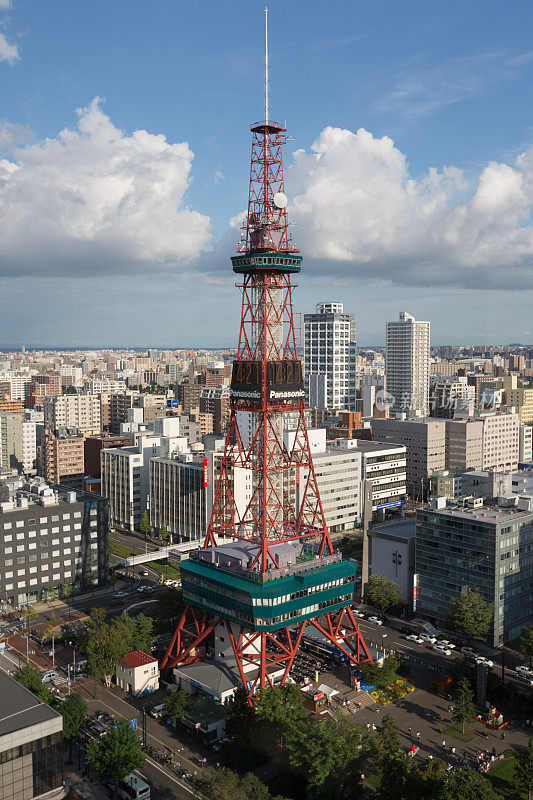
444,651
486,661
375,620
96,729
143,572
414,638
158,711
467,651
523,670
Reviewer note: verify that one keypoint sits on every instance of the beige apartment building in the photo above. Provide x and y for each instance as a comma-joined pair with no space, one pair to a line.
153,405
425,443
464,445
81,411
63,458
500,441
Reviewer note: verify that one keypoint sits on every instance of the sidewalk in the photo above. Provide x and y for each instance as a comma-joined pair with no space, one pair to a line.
82,787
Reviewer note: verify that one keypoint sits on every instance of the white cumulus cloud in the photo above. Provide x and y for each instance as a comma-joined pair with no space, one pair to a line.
96,199
360,213
8,51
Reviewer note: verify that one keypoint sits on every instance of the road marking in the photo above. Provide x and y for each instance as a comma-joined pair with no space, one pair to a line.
116,711
171,777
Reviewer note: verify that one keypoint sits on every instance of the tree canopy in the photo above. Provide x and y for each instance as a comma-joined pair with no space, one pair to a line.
471,615
463,709
74,713
526,642
30,678
116,754
224,784
381,592
523,770
105,643
176,703
145,526
383,675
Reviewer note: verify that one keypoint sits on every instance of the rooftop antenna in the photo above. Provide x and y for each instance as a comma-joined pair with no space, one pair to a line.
266,64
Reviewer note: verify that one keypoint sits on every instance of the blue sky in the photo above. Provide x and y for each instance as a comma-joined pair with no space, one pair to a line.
112,236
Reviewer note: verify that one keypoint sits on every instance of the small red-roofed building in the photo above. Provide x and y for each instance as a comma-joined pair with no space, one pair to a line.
138,673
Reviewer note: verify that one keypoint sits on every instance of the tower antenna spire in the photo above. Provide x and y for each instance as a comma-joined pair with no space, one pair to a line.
266,64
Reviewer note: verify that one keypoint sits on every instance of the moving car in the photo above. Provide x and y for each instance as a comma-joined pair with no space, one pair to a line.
426,637
527,679
467,651
444,651
414,638
446,643
523,670
375,620
143,572
486,661
120,594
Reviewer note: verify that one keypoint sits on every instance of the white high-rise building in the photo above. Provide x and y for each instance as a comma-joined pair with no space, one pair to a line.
407,365
329,357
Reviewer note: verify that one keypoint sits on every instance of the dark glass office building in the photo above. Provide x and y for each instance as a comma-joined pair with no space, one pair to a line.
484,547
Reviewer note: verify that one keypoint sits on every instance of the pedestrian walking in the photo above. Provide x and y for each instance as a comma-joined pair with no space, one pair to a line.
453,751
418,735
409,731
444,742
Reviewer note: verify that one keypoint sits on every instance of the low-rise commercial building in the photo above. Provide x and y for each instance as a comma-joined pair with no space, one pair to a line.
392,555
138,673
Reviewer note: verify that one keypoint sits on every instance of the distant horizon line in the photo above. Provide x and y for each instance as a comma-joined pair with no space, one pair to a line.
16,346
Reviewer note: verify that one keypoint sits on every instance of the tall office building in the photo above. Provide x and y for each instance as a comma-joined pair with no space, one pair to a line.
329,357
407,365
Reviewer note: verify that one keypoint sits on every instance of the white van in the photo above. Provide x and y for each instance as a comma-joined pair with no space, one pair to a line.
133,788
158,711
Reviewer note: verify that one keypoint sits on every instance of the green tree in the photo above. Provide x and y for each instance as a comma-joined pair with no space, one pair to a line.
463,708
70,390
471,615
523,770
30,678
381,592
176,703
116,754
526,642
224,784
164,535
145,527
74,713
103,647
168,610
281,706
387,740
393,772
383,675
133,633
313,751
463,783
241,719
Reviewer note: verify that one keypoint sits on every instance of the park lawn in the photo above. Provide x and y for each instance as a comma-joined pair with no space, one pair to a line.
501,776
117,549
457,733
374,780
166,570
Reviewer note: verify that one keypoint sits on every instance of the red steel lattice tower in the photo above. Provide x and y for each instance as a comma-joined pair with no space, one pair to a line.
279,569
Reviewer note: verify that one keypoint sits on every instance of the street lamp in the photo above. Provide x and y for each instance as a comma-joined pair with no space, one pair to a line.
383,637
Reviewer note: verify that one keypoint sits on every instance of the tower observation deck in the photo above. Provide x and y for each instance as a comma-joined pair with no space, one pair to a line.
250,601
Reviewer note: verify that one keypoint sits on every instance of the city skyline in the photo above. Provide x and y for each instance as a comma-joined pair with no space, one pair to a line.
119,215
